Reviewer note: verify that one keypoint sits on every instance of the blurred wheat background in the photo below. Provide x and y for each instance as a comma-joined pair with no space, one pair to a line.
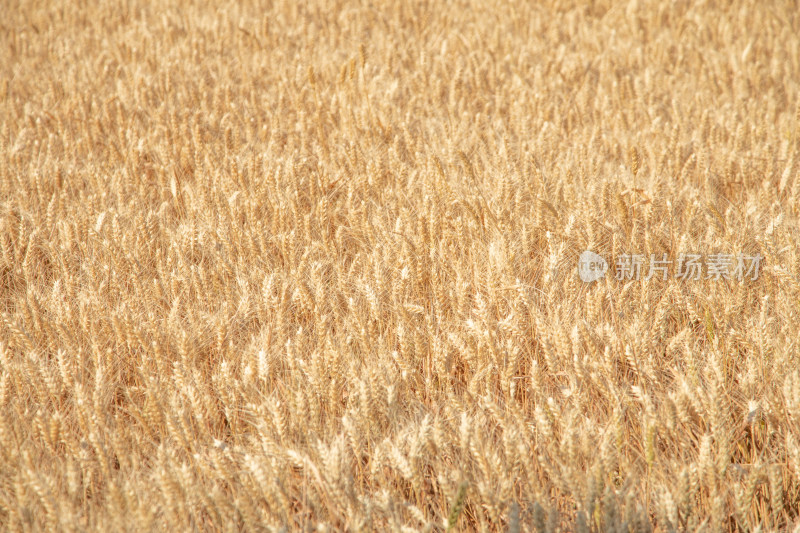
312,266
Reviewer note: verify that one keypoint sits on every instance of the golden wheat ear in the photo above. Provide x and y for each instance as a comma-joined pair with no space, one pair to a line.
393,267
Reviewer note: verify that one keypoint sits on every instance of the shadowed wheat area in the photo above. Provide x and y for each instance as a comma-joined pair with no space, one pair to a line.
274,266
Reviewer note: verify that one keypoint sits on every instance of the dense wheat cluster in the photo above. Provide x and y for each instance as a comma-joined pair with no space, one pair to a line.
314,267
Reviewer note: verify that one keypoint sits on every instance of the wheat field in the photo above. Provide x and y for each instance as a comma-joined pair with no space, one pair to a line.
282,266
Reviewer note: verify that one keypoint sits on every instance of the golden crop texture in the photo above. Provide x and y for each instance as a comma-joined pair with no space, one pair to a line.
311,266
